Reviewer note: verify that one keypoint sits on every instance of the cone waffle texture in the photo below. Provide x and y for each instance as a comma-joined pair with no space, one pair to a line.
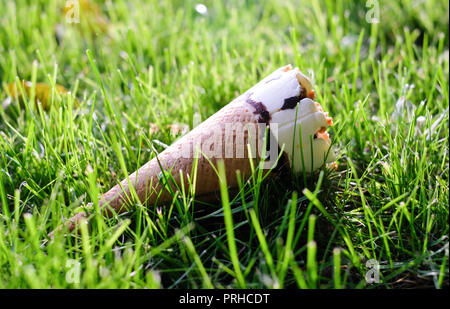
148,180
283,100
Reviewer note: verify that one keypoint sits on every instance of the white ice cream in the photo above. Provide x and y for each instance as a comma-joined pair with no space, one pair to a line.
305,151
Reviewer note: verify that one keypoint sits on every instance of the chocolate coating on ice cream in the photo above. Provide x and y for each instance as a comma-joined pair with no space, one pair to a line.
261,110
291,102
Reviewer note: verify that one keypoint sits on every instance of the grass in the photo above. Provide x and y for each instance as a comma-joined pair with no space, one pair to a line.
163,62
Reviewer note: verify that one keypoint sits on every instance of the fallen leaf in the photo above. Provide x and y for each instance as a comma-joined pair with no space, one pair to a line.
43,92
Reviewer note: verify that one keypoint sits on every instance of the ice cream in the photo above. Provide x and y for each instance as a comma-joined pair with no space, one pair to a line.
283,102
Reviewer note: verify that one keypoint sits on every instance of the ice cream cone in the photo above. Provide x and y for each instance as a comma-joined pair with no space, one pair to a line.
283,102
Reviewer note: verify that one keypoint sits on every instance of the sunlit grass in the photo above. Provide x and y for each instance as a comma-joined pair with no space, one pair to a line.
162,62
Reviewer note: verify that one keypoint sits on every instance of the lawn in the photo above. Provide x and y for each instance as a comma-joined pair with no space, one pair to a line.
378,220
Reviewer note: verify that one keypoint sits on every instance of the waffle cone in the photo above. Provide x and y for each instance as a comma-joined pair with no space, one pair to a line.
148,181
226,136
